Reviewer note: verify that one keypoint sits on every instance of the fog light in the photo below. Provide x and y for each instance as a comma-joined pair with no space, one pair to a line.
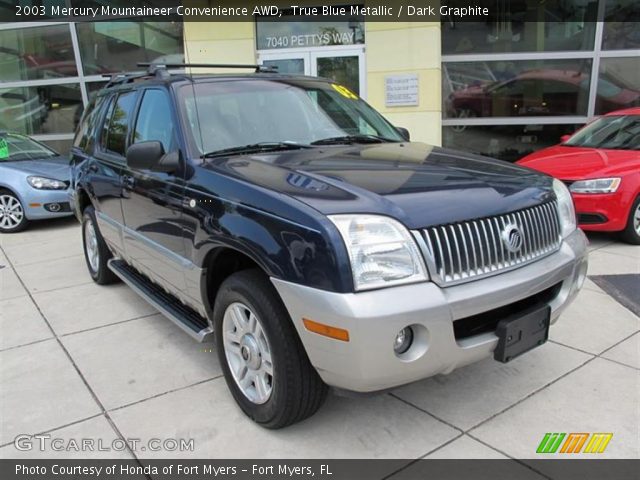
403,340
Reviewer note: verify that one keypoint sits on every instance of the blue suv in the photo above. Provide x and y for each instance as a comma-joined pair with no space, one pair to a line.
285,219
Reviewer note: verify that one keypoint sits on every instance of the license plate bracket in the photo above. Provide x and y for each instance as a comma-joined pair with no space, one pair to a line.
521,332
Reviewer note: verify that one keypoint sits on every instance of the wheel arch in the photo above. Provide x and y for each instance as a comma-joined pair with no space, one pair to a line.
218,265
82,201
16,192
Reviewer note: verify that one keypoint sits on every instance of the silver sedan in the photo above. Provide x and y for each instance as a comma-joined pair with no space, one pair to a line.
34,182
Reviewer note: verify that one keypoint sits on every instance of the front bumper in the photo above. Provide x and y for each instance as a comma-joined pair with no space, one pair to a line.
367,361
604,212
40,204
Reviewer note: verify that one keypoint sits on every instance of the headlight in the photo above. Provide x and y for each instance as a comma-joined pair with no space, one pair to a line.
381,250
566,211
597,185
43,183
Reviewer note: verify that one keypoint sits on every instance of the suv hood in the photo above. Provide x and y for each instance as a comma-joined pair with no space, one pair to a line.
418,184
56,168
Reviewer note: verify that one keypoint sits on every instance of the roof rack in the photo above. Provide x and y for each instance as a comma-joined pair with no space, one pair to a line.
122,78
160,70
153,68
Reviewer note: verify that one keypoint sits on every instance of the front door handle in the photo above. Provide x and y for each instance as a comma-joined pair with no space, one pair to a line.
128,182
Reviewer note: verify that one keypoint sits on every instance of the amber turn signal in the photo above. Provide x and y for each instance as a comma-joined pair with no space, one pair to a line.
326,330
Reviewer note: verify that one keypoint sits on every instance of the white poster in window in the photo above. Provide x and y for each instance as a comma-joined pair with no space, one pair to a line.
401,90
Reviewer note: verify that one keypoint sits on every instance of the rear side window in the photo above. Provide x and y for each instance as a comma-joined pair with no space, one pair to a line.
155,121
119,123
86,129
105,125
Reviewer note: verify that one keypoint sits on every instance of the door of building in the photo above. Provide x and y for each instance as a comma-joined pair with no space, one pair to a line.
343,65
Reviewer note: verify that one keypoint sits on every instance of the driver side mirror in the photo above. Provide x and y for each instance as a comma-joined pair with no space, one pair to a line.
151,156
564,138
404,133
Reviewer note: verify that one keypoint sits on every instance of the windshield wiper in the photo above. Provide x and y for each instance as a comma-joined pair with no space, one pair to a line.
255,148
347,139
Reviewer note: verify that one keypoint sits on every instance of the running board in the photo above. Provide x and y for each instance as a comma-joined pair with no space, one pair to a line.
184,317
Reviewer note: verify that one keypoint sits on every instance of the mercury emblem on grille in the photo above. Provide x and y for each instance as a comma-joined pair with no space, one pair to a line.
512,238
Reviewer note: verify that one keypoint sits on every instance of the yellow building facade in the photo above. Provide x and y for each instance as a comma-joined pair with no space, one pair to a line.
386,55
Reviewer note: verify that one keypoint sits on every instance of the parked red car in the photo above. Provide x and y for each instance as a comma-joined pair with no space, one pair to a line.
601,165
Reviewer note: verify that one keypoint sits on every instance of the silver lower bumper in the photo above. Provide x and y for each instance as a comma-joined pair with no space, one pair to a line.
367,361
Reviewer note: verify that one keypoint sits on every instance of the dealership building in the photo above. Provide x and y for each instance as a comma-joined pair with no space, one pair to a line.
503,87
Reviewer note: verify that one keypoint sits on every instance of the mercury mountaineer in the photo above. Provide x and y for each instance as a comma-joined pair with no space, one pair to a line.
285,219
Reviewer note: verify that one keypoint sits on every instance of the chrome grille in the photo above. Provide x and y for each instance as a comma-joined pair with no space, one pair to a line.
465,251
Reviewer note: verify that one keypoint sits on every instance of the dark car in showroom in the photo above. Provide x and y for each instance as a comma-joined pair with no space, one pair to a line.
538,92
285,219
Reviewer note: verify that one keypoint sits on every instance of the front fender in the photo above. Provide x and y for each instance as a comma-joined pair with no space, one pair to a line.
282,249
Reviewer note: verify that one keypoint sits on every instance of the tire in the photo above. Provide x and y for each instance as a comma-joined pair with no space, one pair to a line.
631,233
294,390
96,252
12,216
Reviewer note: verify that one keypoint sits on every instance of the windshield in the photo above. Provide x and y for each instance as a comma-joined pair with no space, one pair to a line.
19,147
613,132
236,113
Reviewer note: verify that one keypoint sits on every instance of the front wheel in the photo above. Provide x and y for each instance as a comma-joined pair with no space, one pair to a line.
12,216
631,233
96,252
264,363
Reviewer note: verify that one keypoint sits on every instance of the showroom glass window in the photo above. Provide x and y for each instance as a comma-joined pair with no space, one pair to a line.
512,88
621,31
538,70
618,84
49,72
520,26
36,53
116,46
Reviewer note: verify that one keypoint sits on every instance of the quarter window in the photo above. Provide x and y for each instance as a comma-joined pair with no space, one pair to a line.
154,120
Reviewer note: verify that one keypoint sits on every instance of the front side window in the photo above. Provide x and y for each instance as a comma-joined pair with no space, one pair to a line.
620,132
223,115
155,121
119,123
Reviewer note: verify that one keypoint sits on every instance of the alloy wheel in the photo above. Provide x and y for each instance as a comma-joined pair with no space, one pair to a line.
11,212
91,246
248,352
636,220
